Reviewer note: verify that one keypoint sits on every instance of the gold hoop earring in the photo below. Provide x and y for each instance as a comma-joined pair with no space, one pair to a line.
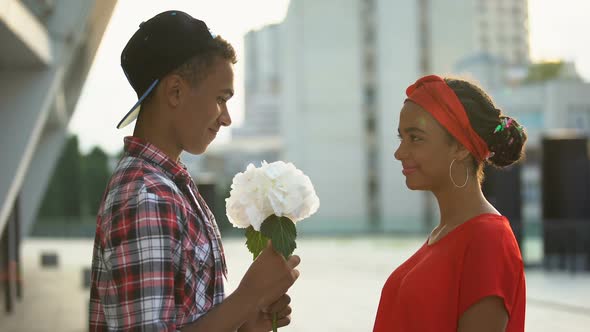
453,180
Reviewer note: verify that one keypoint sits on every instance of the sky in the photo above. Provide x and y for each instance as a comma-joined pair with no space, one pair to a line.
558,30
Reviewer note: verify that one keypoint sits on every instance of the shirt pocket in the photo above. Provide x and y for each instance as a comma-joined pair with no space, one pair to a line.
203,254
199,255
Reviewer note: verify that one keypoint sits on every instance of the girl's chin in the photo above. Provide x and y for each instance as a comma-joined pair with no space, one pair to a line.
412,185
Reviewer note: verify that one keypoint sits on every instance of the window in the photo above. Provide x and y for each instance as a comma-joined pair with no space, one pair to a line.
578,117
484,42
369,95
481,7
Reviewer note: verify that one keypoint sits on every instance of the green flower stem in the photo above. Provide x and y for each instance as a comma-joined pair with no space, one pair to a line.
282,232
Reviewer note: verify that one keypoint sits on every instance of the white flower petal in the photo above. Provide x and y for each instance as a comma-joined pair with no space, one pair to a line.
277,188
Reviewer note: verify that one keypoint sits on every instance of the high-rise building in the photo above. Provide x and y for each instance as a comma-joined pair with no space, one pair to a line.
501,29
262,84
322,121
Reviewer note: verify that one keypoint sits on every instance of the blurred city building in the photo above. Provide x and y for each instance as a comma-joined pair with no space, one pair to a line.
261,84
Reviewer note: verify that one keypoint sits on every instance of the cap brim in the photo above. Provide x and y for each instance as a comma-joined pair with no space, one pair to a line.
134,112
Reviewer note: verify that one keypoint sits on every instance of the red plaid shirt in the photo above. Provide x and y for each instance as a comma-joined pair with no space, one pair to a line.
158,262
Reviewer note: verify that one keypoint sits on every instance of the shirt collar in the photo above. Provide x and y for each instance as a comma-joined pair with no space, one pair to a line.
140,148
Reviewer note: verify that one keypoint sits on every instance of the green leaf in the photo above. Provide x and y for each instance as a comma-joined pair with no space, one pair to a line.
282,232
255,241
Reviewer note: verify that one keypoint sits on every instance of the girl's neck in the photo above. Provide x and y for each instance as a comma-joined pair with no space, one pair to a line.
457,205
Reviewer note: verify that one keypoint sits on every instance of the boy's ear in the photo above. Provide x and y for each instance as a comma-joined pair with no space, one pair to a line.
173,89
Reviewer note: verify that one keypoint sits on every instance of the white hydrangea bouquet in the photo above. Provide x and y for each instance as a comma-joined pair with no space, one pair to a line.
268,201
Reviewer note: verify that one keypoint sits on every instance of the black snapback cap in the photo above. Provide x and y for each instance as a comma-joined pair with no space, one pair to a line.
159,46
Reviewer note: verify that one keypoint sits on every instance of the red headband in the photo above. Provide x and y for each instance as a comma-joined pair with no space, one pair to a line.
434,95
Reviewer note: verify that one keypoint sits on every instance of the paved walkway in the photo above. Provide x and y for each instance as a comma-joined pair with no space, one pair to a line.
338,290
